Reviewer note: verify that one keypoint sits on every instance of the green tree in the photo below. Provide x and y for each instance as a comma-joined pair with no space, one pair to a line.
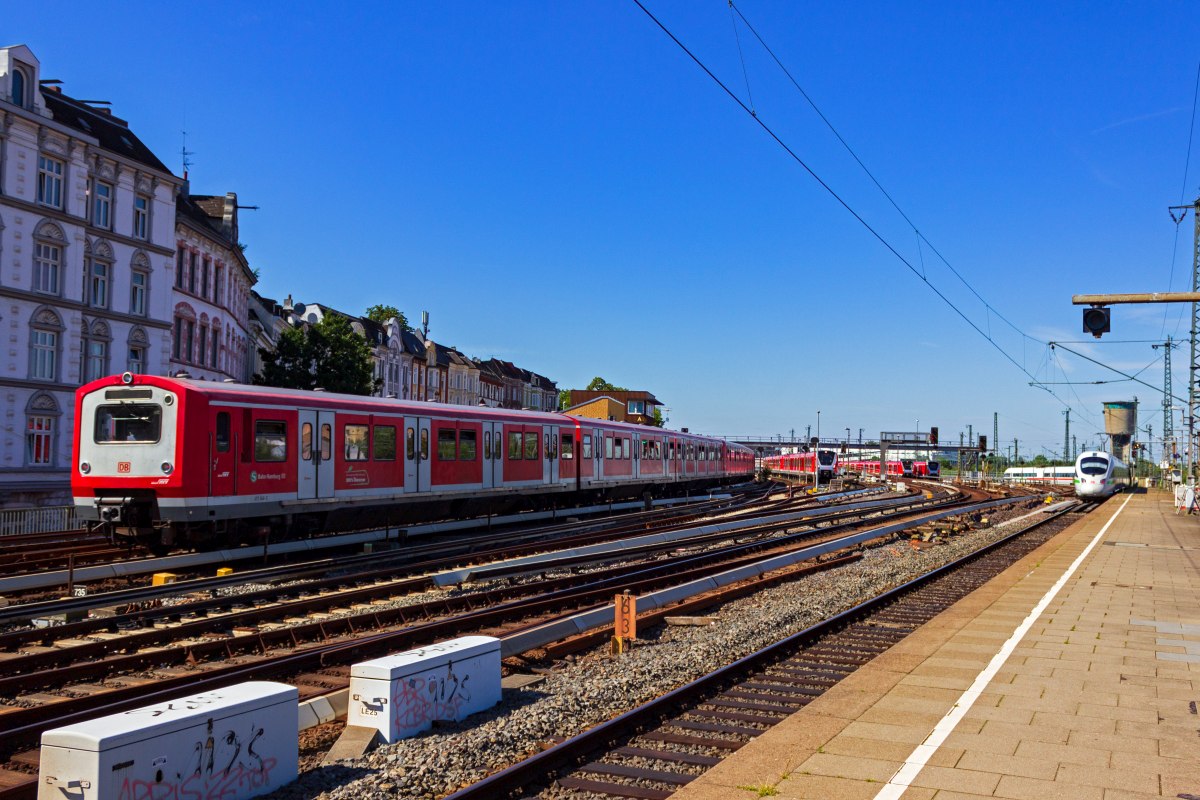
656,418
564,399
329,355
598,384
1040,461
381,314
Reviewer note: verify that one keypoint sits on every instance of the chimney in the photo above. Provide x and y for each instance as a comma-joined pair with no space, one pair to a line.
229,223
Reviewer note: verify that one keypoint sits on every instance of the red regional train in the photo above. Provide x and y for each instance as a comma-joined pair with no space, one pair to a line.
181,460
904,468
823,462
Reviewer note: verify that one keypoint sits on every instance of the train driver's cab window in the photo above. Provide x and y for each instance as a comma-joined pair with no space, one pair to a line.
357,447
270,440
531,446
587,446
446,445
514,447
128,422
568,446
384,445
1088,466
306,449
222,432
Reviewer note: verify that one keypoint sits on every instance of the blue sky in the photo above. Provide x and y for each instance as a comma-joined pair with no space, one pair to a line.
560,185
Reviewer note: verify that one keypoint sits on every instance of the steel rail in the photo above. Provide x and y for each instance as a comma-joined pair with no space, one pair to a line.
573,751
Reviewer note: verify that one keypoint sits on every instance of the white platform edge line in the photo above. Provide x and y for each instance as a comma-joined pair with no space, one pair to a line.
916,761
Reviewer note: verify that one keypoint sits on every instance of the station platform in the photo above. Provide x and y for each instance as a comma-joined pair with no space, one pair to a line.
1074,674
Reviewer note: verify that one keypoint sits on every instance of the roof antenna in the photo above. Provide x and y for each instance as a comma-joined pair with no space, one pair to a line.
186,155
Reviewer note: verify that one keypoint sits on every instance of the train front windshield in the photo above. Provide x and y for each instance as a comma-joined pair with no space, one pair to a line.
128,422
1093,466
825,457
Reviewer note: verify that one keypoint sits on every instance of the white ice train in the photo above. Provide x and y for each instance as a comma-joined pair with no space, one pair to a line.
1099,474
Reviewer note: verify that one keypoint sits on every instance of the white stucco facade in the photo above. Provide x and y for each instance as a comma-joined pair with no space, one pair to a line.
86,252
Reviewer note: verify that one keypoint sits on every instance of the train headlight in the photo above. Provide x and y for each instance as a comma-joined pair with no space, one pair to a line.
85,467
126,378
167,467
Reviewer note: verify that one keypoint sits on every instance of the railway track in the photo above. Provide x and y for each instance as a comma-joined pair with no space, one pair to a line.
74,673
649,752
134,564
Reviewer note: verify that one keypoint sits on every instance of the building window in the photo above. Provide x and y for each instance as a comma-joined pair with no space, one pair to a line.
204,277
39,437
50,180
179,264
18,88
192,275
202,350
136,363
46,261
215,349
98,285
102,205
97,360
137,293
43,364
141,216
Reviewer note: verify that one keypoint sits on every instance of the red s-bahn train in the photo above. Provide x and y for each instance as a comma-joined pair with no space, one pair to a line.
181,460
823,462
903,468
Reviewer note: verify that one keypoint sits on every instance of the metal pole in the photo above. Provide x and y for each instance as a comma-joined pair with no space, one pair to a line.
1194,364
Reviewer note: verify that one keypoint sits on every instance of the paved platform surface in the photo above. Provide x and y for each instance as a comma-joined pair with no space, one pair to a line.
1093,696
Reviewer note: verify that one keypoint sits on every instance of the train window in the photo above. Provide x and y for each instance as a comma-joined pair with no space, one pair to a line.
554,449
587,446
270,440
128,422
568,446
222,431
497,452
357,445
487,445
608,447
447,446
514,447
384,444
466,445
546,447
410,444
306,431
424,444
531,446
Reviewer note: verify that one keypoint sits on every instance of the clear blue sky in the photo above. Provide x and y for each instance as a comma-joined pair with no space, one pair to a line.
559,185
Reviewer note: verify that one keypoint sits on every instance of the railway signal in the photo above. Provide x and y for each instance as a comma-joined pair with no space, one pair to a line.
1096,321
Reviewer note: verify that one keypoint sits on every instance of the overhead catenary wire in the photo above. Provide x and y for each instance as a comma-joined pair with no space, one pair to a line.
1187,162
920,236
850,209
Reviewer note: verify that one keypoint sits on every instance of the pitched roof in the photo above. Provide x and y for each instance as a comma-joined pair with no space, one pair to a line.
111,132
584,395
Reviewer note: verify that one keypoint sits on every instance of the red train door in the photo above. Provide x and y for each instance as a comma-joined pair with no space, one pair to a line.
221,456
315,466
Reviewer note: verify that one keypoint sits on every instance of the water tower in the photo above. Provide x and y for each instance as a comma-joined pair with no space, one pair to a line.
1120,423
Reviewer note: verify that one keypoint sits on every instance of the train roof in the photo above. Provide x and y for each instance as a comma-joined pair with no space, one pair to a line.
245,392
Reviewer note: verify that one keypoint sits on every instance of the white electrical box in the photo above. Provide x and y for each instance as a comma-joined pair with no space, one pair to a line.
403,694
232,743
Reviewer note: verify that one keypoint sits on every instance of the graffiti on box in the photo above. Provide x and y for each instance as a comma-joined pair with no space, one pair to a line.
221,766
426,698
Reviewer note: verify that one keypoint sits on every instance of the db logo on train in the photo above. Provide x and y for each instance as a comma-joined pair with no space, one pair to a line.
124,467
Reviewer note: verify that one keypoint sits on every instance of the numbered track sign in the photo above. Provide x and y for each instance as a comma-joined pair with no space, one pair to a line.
625,606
